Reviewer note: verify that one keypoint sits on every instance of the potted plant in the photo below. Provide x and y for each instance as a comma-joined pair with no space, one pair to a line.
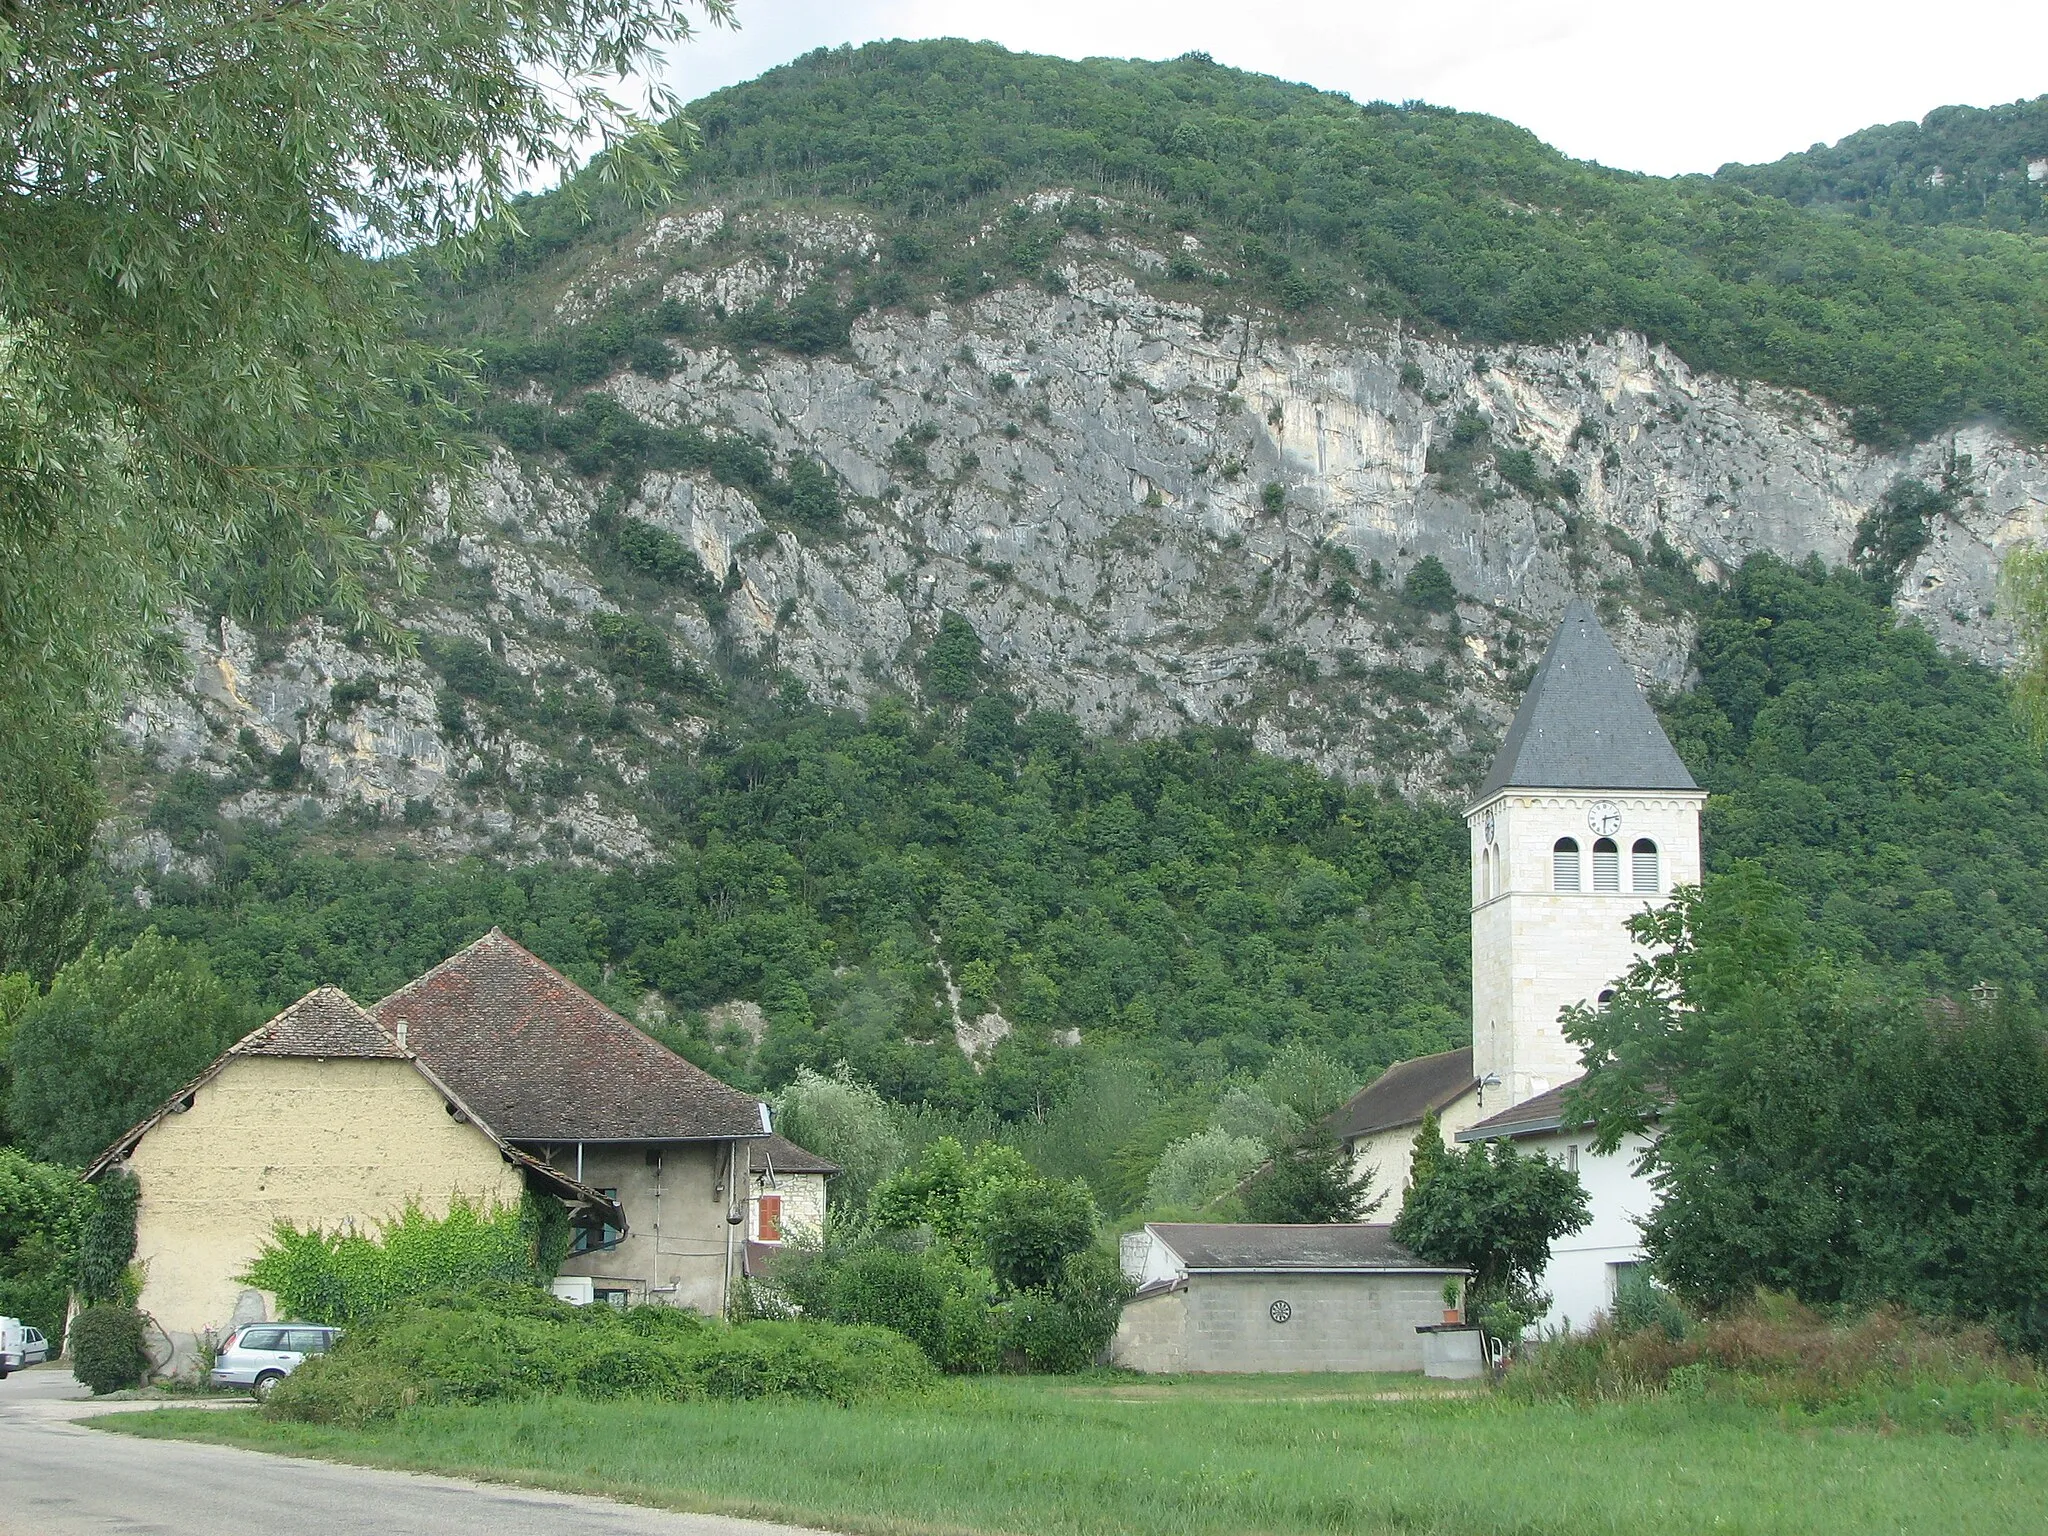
1452,1312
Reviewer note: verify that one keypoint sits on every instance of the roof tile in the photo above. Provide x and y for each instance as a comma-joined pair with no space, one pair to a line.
1251,1245
546,1061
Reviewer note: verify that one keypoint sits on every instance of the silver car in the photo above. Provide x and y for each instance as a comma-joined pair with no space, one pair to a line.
35,1348
263,1354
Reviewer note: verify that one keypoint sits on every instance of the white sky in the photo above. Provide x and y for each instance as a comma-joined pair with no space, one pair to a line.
1646,87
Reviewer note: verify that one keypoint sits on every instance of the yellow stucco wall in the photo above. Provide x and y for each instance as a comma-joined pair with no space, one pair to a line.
313,1142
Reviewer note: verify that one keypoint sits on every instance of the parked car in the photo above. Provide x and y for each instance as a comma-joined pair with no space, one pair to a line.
13,1345
261,1355
35,1348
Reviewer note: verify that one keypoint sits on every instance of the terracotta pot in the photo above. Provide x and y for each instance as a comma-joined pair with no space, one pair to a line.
1451,1315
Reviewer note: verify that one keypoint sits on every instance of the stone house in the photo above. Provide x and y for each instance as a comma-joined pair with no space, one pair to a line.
1222,1296
589,1095
491,1075
318,1118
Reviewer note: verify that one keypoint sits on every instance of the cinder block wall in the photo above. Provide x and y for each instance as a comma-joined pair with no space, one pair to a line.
1356,1322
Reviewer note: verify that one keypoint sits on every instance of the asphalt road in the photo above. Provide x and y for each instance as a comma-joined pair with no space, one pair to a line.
59,1478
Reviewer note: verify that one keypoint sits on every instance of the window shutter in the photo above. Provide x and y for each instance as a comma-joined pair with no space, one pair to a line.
1606,866
1645,853
769,1219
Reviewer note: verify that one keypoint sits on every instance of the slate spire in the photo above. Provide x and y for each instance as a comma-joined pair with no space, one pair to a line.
1584,724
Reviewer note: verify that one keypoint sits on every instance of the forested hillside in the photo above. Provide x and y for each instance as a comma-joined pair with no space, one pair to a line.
1448,218
1986,167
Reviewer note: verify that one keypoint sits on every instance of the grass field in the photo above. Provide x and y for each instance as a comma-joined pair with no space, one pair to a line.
1265,1454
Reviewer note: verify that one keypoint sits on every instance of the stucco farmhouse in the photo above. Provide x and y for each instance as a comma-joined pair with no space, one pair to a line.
488,1077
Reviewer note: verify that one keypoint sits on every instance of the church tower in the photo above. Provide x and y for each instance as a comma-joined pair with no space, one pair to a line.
1587,817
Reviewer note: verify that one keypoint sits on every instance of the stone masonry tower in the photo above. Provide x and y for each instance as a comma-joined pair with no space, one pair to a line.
1588,816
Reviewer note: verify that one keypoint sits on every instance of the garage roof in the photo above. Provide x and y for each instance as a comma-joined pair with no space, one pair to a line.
1241,1247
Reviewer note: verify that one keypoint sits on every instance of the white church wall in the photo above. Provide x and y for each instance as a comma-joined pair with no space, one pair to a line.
1581,1275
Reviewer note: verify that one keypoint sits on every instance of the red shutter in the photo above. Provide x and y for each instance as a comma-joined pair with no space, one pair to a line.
769,1222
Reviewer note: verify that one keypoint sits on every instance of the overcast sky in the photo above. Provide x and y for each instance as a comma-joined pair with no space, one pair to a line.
1647,87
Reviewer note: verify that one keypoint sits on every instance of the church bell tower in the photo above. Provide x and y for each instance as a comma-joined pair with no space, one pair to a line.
1587,817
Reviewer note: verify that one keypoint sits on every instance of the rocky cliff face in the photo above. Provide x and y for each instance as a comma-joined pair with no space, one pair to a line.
1151,512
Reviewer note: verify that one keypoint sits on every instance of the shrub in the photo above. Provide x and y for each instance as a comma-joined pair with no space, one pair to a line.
893,1290
1028,1230
107,1348
347,1277
505,1342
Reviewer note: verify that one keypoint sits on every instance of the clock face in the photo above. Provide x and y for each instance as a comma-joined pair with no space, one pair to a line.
1489,828
1604,818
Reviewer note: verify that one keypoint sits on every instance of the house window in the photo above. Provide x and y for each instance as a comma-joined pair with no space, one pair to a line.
607,1297
1564,864
1606,865
1571,1158
593,1235
1645,855
768,1218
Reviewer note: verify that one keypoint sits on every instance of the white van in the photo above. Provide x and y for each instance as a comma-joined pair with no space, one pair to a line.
13,1345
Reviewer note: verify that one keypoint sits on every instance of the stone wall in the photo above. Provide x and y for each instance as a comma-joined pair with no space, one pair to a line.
311,1142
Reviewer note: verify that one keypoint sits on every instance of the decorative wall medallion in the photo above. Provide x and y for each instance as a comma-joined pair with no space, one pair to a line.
1604,818
1280,1311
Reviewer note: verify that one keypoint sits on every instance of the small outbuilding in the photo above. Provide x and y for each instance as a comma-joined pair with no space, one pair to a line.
1256,1297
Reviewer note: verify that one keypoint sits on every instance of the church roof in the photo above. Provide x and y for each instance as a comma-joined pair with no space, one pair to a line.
1404,1093
1584,724
1543,1112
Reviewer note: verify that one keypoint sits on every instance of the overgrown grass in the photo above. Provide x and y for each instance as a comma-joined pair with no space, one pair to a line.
1268,1454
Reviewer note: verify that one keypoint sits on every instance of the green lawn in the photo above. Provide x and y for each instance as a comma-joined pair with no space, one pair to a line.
1269,1454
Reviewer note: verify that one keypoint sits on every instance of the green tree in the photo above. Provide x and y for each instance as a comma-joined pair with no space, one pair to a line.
1821,1128
1429,586
115,1034
954,667
202,372
1028,1228
1310,1178
1494,1211
945,1187
41,1206
845,1120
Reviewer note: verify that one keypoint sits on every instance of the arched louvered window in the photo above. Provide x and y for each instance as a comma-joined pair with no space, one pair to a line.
1486,874
1606,865
1644,855
1564,864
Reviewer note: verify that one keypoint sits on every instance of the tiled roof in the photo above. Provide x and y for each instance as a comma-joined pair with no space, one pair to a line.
1584,724
545,1061
1543,1112
785,1156
1311,1246
325,1022
1404,1093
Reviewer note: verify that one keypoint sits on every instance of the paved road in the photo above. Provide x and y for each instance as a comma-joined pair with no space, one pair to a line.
58,1478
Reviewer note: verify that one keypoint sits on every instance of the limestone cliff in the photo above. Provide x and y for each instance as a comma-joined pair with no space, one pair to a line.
1151,512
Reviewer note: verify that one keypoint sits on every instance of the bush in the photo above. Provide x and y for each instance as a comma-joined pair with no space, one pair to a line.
504,1342
1429,586
345,1278
107,1349
893,1290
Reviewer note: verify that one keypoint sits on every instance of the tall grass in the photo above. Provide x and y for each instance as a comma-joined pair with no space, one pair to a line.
1883,1369
1265,1454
